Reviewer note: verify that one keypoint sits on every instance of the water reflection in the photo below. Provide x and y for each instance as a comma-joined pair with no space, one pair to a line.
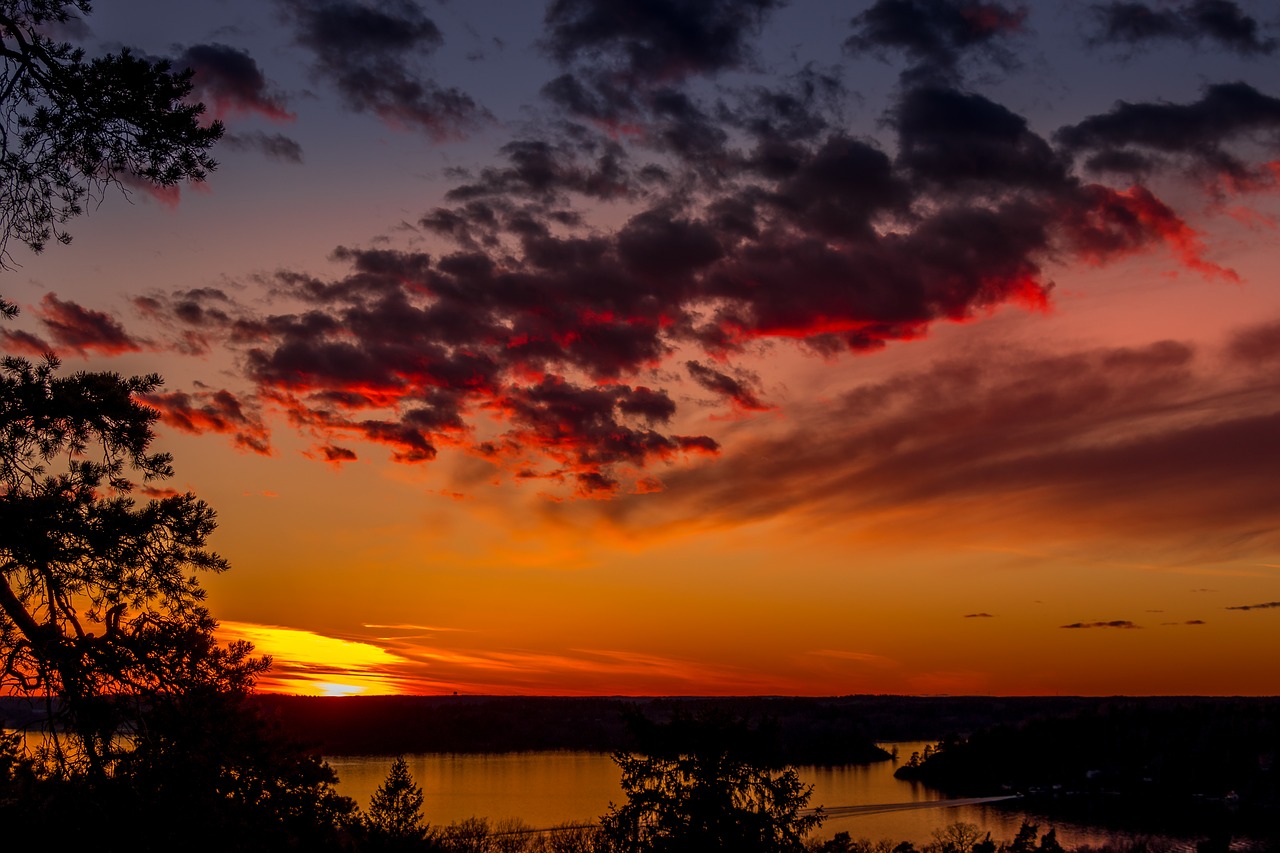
540,788
547,788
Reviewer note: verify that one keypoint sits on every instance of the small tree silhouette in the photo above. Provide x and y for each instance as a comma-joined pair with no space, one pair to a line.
395,818
705,784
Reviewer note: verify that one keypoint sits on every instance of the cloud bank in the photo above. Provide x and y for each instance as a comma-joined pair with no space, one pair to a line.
677,209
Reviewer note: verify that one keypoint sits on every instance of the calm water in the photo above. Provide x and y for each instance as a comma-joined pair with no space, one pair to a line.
546,788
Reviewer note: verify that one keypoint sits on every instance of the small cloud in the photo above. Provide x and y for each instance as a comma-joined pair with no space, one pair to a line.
25,342
168,197
860,657
159,493
979,616
335,455
1269,605
230,80
277,146
1114,623
648,486
737,390
410,627
1194,622
74,328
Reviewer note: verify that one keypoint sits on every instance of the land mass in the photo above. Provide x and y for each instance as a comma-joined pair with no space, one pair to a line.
810,730
1143,764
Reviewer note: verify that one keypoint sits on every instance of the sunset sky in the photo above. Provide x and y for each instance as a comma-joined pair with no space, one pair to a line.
713,346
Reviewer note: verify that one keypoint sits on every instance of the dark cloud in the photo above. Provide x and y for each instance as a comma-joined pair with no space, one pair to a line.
548,170
627,66
373,54
213,411
1269,605
591,430
74,328
836,245
1115,623
840,188
938,34
1138,138
962,141
337,455
229,81
1257,346
369,346
190,317
1194,622
564,278
277,146
979,616
737,390
804,107
1220,21
655,39
408,443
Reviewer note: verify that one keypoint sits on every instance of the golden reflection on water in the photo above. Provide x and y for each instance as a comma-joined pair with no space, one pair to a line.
540,788
543,789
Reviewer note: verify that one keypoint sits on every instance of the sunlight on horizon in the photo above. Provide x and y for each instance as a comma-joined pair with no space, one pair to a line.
310,664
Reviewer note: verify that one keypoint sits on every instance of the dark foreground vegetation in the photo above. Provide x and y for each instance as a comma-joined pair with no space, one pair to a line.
1168,765
477,835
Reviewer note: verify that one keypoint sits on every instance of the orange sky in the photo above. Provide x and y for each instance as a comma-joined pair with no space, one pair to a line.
943,406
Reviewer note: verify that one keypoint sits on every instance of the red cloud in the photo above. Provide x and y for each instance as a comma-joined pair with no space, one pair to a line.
217,412
337,455
74,328
26,343
230,80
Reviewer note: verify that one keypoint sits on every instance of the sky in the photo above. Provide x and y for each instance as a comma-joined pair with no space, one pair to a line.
711,347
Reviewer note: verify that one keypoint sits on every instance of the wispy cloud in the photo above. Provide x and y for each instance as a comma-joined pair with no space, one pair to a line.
1119,443
1114,623
860,657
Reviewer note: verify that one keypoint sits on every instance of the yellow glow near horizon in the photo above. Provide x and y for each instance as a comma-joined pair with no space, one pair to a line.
328,688
310,664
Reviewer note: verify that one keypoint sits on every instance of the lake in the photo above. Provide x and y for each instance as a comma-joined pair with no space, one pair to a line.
543,789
